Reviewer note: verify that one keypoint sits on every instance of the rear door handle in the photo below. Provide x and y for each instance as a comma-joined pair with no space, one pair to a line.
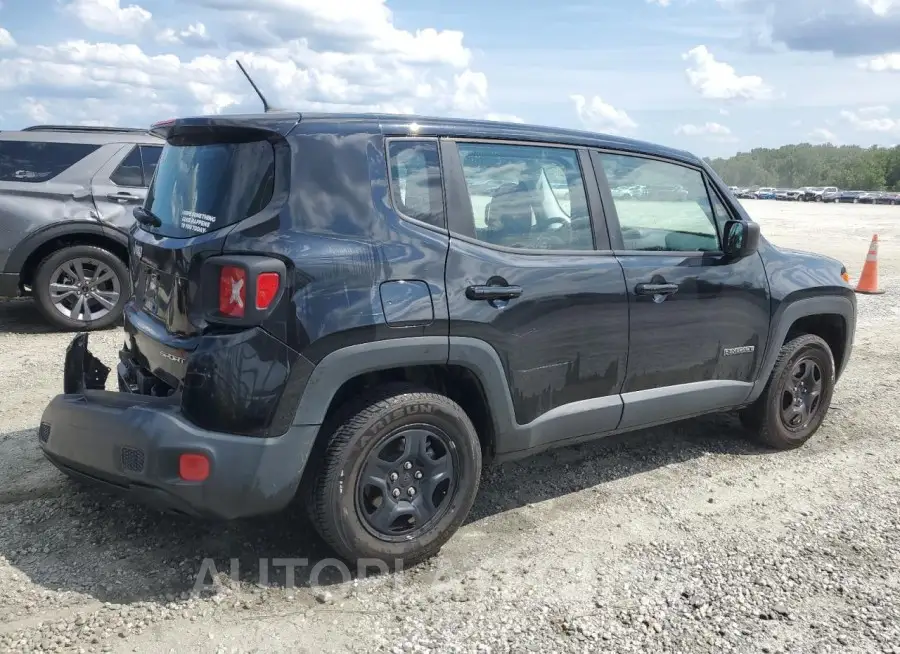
485,292
656,289
122,196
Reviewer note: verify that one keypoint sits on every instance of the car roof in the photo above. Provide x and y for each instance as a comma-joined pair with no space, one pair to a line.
422,125
81,134
400,124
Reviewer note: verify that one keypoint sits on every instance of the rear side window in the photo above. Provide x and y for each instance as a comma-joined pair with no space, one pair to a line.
416,180
31,161
137,168
202,188
129,172
149,159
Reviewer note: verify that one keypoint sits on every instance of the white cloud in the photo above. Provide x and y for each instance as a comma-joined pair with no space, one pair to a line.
110,17
881,7
195,35
7,42
872,119
841,27
719,81
506,118
889,62
351,57
661,3
36,111
710,130
358,24
822,135
600,116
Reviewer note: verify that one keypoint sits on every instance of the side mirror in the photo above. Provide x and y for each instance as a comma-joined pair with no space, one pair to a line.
741,238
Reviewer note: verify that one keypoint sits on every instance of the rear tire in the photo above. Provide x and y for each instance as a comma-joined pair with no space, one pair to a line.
797,396
367,505
75,267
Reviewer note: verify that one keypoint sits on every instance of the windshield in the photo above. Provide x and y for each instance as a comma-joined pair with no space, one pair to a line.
202,188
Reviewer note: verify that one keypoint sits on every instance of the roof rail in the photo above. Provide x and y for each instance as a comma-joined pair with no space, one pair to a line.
85,128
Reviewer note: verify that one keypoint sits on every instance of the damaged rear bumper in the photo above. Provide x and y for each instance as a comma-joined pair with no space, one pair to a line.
136,445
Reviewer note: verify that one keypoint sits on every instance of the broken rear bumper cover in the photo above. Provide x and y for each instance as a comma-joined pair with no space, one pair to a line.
133,444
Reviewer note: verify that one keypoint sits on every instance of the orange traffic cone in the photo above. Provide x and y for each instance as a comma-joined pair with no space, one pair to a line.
868,280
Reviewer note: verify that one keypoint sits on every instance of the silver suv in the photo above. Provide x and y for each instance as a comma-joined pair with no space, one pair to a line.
66,200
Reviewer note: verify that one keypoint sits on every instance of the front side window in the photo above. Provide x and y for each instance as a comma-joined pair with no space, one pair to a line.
35,161
416,189
527,197
200,188
661,206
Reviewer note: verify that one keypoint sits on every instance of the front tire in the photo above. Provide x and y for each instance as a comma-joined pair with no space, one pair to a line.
797,396
82,287
398,477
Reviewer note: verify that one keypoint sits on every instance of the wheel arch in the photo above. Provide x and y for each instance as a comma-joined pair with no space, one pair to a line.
831,317
27,255
466,370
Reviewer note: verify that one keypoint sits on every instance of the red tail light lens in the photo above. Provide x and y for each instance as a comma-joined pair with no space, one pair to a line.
232,291
266,289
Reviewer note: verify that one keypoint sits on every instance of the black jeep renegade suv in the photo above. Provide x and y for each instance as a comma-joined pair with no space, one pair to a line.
362,310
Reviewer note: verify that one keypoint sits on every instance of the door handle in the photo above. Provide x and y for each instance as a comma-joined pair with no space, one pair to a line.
656,289
122,196
485,292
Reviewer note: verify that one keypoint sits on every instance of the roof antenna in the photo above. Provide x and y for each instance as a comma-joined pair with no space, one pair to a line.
266,106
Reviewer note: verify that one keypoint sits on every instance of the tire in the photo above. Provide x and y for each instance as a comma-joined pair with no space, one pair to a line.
340,505
105,303
766,416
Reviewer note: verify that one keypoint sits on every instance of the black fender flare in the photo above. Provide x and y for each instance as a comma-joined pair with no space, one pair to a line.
342,365
68,228
790,313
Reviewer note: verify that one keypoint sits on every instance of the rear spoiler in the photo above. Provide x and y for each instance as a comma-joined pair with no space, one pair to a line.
277,122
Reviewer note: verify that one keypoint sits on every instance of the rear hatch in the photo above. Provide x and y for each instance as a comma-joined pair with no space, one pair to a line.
211,175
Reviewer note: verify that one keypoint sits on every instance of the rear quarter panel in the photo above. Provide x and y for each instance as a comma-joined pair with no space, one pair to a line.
342,240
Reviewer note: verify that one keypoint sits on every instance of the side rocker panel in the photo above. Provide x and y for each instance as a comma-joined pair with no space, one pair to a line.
792,312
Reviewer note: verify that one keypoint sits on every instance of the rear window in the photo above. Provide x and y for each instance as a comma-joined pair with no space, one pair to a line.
33,161
202,188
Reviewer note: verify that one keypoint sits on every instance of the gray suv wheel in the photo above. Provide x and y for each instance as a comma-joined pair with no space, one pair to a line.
82,287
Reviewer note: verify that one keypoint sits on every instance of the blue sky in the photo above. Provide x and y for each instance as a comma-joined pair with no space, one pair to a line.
710,76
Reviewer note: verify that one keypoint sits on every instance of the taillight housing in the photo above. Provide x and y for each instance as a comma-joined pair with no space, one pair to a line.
232,291
241,289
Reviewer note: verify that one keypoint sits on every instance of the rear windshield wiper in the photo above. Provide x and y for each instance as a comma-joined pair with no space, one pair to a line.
146,217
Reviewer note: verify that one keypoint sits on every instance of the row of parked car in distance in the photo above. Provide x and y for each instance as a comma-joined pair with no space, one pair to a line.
817,194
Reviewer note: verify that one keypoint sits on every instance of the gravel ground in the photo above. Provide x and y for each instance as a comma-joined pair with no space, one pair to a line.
684,538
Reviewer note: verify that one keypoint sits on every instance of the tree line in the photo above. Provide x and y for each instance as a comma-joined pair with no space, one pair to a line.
849,167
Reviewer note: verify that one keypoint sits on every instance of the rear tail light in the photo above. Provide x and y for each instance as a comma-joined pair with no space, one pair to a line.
232,291
266,289
241,289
